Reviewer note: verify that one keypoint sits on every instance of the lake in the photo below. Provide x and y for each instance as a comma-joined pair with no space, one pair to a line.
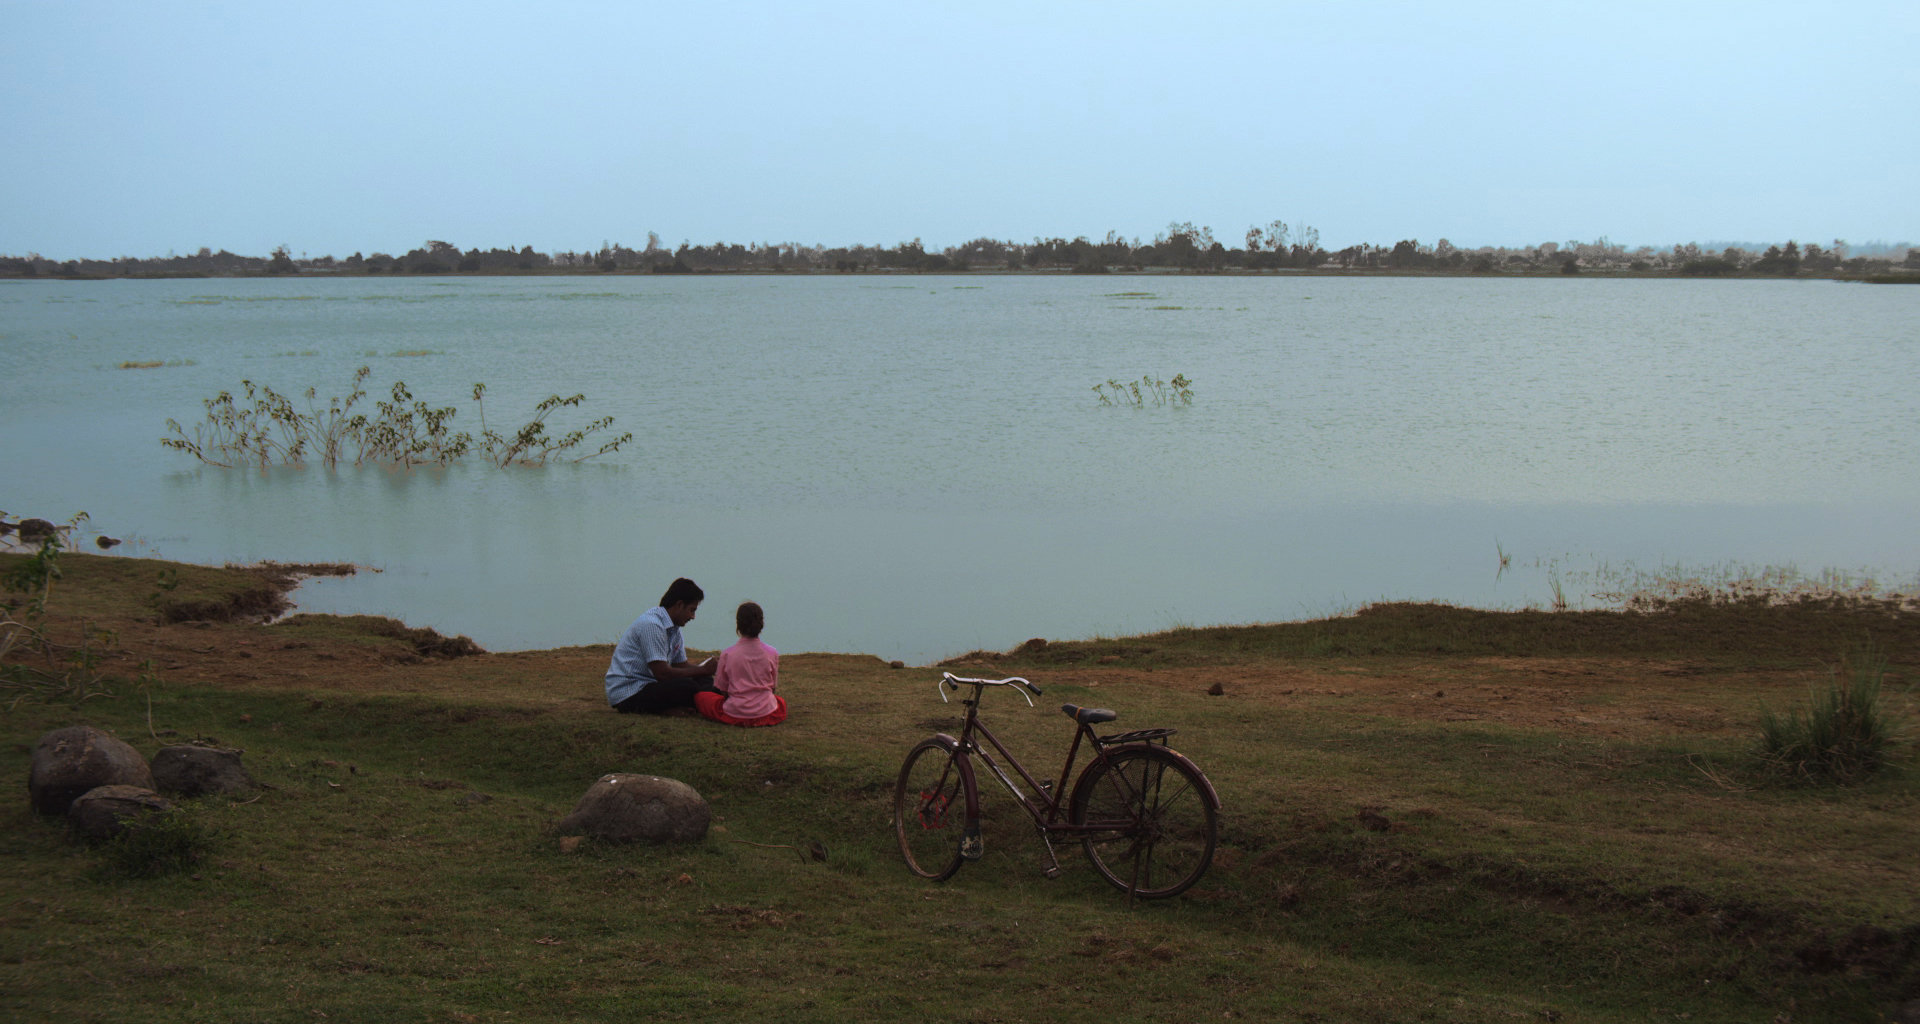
918,466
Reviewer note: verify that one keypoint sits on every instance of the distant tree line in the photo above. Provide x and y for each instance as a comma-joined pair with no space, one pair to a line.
1182,247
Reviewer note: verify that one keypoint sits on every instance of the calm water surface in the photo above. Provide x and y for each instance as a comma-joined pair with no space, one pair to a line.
914,467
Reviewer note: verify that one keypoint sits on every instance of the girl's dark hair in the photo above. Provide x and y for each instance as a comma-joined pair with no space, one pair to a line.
749,620
682,591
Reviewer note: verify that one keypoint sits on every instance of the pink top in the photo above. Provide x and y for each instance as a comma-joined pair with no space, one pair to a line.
747,674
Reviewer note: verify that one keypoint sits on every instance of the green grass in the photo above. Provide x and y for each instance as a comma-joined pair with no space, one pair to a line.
1745,632
401,865
372,883
1843,736
158,843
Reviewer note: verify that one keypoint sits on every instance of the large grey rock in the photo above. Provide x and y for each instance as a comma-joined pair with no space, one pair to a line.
68,762
624,808
190,771
104,812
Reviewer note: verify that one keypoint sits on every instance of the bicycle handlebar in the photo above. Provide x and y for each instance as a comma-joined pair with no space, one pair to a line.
949,679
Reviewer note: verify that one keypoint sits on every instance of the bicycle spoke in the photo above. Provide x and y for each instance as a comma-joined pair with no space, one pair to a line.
1157,820
931,799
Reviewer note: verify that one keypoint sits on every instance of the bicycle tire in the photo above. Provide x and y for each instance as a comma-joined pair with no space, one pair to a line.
1165,820
930,803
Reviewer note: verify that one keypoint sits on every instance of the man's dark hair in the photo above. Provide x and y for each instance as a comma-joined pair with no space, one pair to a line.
749,620
682,591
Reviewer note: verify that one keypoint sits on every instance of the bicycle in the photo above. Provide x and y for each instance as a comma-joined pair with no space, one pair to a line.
1146,816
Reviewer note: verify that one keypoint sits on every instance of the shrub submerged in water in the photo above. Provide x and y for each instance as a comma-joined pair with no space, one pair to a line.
265,428
1147,390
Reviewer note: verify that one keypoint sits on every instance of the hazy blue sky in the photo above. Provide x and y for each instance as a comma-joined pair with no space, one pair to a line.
141,128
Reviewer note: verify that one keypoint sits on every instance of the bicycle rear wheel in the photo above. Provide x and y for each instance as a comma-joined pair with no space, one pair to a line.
930,804
1161,818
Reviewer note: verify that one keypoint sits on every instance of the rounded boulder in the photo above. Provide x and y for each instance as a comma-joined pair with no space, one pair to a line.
106,811
190,771
70,762
627,808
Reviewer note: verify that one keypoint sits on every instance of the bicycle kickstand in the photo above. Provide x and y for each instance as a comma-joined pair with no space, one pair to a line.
1053,861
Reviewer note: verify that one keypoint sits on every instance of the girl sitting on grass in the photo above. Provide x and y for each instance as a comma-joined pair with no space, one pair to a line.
746,677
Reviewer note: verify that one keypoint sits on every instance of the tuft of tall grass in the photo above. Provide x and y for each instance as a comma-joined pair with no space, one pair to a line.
1844,736
156,844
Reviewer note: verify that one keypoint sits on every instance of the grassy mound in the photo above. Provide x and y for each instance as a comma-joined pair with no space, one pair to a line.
1429,814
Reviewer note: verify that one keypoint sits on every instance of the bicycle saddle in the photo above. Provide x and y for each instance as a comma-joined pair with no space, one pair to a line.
1088,716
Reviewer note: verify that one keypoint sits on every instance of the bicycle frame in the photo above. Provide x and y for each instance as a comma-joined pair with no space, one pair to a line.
1049,801
1054,793
1146,816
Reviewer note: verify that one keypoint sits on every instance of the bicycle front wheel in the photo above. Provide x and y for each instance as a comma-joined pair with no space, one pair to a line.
930,804
1158,816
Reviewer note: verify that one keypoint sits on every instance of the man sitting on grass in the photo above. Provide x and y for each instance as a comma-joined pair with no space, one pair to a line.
649,672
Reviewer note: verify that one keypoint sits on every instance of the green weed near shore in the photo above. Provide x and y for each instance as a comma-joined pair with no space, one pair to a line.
1373,867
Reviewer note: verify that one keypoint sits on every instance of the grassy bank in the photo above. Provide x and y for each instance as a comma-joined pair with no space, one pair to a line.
1429,814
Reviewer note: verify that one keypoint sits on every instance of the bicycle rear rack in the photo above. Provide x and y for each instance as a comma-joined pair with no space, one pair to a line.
1137,736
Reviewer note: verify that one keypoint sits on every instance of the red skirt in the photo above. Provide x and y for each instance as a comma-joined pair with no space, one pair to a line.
709,705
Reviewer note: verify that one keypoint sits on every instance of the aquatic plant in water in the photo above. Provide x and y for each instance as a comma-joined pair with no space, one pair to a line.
1148,390
264,428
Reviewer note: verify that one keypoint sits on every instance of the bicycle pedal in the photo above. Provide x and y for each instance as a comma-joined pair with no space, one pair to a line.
972,846
1053,872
